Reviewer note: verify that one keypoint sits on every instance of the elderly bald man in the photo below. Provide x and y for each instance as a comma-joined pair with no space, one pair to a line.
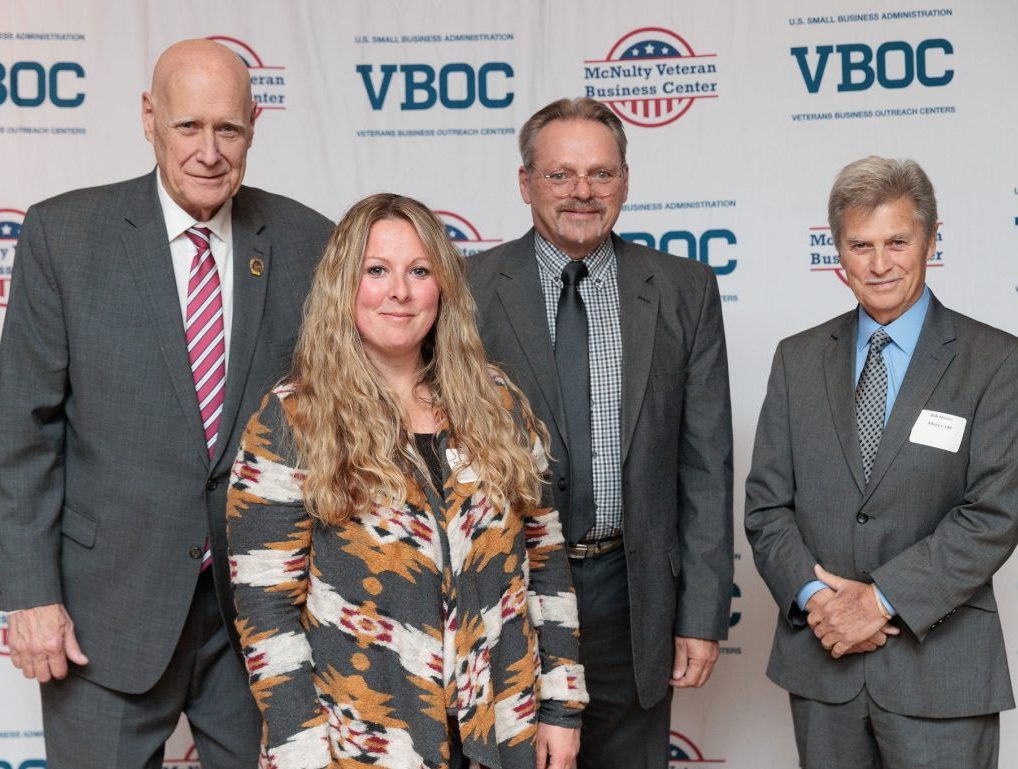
145,320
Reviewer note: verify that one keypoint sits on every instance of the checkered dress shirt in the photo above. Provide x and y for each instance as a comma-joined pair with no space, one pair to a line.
600,294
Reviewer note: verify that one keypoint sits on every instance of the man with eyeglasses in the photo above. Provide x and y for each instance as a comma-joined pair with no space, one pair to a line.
621,350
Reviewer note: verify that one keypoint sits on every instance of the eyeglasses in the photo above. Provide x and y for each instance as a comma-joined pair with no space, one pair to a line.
602,181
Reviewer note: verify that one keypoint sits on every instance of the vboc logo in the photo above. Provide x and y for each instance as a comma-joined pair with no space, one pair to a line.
456,85
464,235
10,229
189,761
268,83
683,752
691,246
823,252
33,83
651,77
894,64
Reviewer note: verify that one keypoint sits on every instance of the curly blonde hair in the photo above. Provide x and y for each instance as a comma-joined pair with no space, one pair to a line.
352,436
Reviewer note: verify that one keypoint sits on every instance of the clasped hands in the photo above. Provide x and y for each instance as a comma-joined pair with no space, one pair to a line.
845,616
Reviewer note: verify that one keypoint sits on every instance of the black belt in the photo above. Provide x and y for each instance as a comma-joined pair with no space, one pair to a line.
594,549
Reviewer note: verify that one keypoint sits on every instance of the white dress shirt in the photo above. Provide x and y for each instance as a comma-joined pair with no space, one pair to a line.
182,251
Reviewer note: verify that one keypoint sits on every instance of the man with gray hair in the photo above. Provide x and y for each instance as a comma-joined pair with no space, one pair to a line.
621,351
883,497
146,320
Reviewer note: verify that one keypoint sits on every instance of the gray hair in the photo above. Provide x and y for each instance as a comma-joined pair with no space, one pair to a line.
570,109
874,181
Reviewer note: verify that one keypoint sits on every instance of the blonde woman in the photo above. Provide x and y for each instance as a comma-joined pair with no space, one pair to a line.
402,590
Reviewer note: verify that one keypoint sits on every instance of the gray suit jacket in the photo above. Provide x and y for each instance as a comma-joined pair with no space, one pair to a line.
930,528
676,426
106,486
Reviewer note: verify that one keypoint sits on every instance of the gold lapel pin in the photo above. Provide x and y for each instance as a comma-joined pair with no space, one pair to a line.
256,265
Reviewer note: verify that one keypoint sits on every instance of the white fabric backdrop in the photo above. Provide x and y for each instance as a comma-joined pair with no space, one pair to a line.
732,156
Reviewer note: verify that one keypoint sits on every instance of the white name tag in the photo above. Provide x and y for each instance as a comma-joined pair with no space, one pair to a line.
458,460
939,430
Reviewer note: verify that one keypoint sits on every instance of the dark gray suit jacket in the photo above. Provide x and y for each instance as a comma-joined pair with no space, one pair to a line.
930,528
106,485
676,425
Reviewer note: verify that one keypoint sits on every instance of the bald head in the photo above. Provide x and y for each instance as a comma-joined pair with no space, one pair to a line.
199,118
195,57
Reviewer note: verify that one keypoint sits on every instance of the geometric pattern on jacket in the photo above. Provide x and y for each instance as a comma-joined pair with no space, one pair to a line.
363,641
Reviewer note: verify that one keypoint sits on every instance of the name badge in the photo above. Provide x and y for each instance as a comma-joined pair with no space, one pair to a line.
939,430
459,461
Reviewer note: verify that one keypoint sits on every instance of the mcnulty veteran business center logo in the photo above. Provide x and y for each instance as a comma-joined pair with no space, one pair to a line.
10,229
464,235
268,82
651,77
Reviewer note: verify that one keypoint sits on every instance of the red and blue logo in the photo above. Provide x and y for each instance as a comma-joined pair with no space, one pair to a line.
651,77
5,638
683,752
10,230
464,235
190,760
268,82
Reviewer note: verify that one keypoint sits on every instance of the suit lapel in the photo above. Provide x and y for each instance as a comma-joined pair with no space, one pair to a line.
839,370
520,293
930,359
249,292
147,250
638,306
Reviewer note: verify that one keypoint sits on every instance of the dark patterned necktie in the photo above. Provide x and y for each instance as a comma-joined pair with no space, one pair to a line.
572,359
871,401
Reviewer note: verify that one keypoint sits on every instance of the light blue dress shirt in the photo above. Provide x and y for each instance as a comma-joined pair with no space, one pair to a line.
904,332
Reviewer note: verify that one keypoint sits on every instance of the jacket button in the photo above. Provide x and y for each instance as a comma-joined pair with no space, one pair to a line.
210,484
562,484
861,518
195,552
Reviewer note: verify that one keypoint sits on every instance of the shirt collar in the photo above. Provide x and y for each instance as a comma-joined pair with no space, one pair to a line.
904,331
179,221
553,260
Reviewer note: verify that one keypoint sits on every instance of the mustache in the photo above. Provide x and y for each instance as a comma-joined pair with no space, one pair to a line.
576,204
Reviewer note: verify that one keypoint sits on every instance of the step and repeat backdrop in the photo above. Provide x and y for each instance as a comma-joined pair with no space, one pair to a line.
739,115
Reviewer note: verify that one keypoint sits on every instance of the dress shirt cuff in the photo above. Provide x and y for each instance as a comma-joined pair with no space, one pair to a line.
808,591
883,599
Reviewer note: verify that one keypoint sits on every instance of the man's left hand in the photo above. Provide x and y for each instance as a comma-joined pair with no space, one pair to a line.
557,746
694,662
850,618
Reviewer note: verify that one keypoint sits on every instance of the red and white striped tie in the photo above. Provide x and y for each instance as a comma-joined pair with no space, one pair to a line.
206,342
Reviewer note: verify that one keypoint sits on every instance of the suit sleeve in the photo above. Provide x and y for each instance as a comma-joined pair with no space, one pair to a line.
781,555
269,535
930,579
33,389
551,604
705,480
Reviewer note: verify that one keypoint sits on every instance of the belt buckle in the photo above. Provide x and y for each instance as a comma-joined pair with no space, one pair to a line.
582,551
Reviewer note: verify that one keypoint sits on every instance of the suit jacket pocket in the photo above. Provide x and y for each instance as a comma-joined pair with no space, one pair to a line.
79,527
